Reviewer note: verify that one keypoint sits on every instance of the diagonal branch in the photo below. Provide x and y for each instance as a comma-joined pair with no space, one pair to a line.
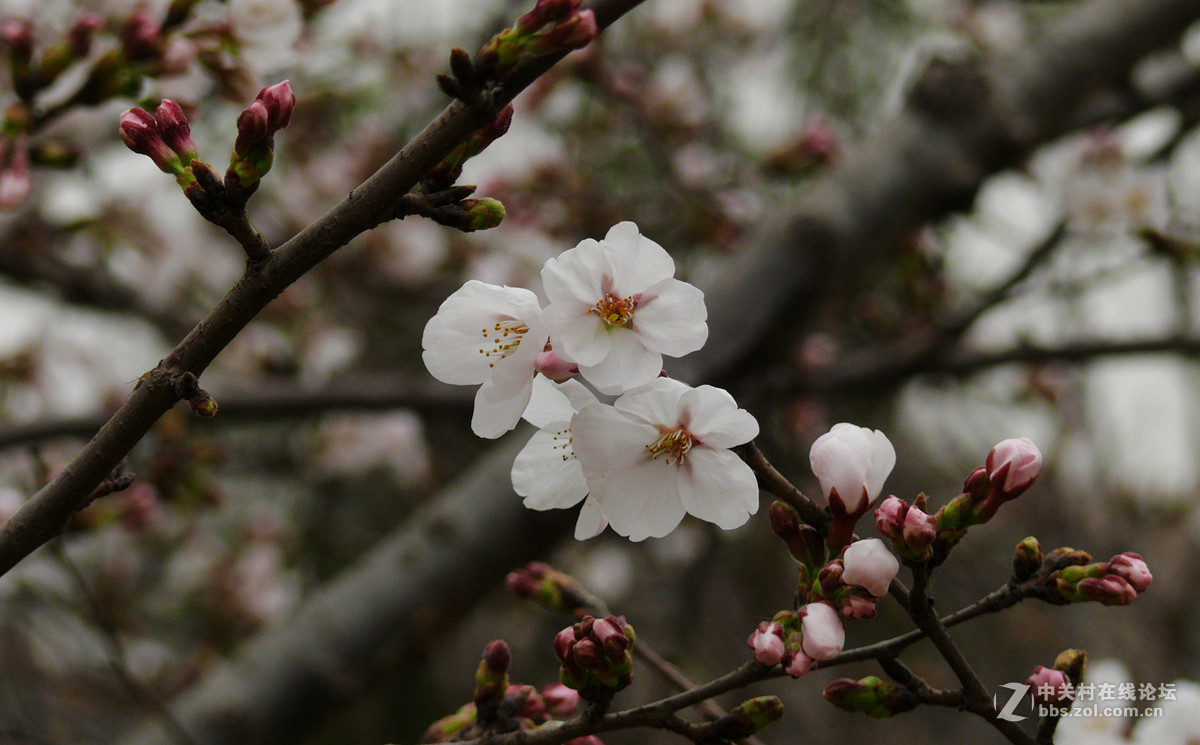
372,203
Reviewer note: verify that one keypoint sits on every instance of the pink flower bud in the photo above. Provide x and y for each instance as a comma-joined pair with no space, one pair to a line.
497,656
608,632
16,177
799,664
83,31
1013,465
175,130
253,127
853,606
1049,686
870,565
889,517
830,576
563,641
1108,590
560,701
18,35
852,463
767,643
280,102
587,654
919,530
823,633
576,32
554,367
1131,568
141,37
140,134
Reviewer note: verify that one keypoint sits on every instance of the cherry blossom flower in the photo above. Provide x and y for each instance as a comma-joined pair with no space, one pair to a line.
615,309
662,451
546,472
490,335
852,463
869,565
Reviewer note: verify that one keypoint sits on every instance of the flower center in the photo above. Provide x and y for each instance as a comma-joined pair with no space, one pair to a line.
562,441
673,446
502,339
615,311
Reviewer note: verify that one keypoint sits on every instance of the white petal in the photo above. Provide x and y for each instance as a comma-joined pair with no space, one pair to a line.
714,418
657,403
576,275
498,407
883,460
670,318
627,365
605,439
591,521
640,502
546,472
637,262
555,402
576,334
453,339
716,486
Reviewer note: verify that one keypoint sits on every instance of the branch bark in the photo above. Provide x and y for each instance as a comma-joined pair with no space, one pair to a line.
372,203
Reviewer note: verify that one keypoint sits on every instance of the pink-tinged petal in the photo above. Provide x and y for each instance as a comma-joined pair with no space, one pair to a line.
870,565
627,365
546,472
576,334
605,439
671,318
555,402
591,521
640,502
576,276
498,407
883,460
824,634
716,486
657,404
714,418
637,262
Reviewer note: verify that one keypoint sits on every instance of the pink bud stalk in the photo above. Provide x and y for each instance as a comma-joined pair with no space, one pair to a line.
870,565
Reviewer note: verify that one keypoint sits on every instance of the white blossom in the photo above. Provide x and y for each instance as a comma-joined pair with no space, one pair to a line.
615,309
662,451
487,335
853,461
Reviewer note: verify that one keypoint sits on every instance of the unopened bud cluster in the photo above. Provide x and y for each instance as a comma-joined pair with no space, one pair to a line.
165,138
596,656
500,705
1114,582
551,26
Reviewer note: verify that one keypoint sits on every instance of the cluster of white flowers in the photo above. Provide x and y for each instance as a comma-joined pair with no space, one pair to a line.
657,452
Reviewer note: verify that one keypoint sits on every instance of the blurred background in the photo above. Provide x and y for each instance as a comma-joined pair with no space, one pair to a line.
1061,303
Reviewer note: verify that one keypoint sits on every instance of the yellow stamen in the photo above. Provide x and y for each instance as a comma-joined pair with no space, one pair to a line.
502,339
673,445
615,311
